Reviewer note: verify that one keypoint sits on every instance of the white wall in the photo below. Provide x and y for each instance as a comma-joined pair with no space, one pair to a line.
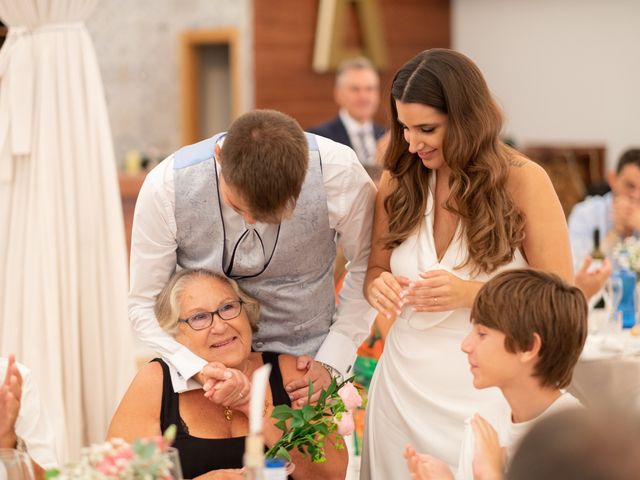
563,70
137,47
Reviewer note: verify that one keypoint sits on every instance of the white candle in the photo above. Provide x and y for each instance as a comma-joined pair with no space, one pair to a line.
258,392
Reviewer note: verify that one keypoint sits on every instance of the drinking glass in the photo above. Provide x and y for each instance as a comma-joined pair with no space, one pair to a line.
15,465
175,469
615,316
614,288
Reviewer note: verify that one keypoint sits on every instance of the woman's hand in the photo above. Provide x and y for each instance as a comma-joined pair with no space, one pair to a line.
386,294
224,474
226,386
426,467
591,281
488,456
439,291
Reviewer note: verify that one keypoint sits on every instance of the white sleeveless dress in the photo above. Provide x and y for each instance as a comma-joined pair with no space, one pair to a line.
422,389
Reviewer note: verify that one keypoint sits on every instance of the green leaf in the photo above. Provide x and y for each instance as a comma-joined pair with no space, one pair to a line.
308,412
322,428
283,453
310,391
145,449
282,412
297,422
170,434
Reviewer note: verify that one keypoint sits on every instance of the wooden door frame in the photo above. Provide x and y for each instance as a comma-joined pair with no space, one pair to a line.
190,69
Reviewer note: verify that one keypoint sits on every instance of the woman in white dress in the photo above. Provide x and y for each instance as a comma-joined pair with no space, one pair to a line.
455,207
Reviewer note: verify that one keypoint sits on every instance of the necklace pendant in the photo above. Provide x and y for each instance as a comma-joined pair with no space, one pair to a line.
228,414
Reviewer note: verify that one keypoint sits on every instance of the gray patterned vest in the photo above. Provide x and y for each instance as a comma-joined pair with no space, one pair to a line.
295,291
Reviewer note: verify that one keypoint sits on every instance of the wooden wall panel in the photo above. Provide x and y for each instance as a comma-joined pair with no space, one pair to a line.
284,32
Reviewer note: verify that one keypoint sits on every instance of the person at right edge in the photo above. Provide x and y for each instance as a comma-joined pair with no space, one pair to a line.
455,207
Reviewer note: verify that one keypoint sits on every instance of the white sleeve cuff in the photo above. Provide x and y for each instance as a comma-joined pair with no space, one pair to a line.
186,364
338,351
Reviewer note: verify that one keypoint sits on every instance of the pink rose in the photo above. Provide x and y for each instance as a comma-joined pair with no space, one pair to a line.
345,423
350,396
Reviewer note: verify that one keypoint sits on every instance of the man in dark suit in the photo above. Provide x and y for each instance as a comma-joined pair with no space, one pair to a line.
357,93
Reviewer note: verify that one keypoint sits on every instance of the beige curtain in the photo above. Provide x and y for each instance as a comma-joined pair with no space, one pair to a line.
63,276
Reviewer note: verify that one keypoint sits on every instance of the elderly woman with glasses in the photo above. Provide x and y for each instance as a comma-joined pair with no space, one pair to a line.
211,316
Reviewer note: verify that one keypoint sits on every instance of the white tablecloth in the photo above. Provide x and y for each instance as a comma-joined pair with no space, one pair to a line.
608,371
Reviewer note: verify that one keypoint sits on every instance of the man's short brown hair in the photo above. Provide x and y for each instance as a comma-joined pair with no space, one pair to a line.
265,158
522,302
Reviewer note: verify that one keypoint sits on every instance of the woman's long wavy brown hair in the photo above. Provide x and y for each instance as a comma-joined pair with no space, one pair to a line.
479,161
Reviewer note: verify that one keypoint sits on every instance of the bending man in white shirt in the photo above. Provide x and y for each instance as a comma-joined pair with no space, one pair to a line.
529,328
264,204
22,423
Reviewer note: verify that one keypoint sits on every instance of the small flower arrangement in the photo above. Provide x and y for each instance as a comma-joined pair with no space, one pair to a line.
630,245
306,429
145,459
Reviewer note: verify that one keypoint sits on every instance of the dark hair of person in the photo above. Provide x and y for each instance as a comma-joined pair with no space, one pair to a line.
524,302
479,161
629,157
265,157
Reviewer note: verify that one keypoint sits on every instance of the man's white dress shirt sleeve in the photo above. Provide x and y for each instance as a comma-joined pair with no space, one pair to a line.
350,200
153,261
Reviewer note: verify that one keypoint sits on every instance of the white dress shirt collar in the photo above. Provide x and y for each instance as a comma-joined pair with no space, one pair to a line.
353,126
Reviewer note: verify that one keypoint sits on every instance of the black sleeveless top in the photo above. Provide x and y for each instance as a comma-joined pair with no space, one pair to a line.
201,455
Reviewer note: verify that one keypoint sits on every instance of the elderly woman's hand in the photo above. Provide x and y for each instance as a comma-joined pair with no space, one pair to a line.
225,386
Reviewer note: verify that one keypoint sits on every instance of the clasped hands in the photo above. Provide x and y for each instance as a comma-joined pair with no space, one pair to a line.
434,291
226,386
626,215
10,394
232,388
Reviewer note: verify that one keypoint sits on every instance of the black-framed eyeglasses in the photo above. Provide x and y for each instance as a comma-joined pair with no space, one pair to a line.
202,320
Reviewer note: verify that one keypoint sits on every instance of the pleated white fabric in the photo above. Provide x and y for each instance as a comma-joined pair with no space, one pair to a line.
63,277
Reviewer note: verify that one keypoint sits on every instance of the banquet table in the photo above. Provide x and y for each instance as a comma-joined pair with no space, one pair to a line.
608,371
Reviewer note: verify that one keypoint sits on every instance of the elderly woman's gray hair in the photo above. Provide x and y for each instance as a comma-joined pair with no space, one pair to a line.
167,307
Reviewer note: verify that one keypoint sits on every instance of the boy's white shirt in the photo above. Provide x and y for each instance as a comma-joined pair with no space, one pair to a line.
509,433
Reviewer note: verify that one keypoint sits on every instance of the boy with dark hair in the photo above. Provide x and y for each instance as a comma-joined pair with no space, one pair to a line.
528,329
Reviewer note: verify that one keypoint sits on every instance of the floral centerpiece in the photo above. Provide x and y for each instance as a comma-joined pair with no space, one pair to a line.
307,429
145,459
630,245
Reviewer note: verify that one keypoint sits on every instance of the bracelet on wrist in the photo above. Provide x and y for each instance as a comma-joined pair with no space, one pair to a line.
333,372
20,445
